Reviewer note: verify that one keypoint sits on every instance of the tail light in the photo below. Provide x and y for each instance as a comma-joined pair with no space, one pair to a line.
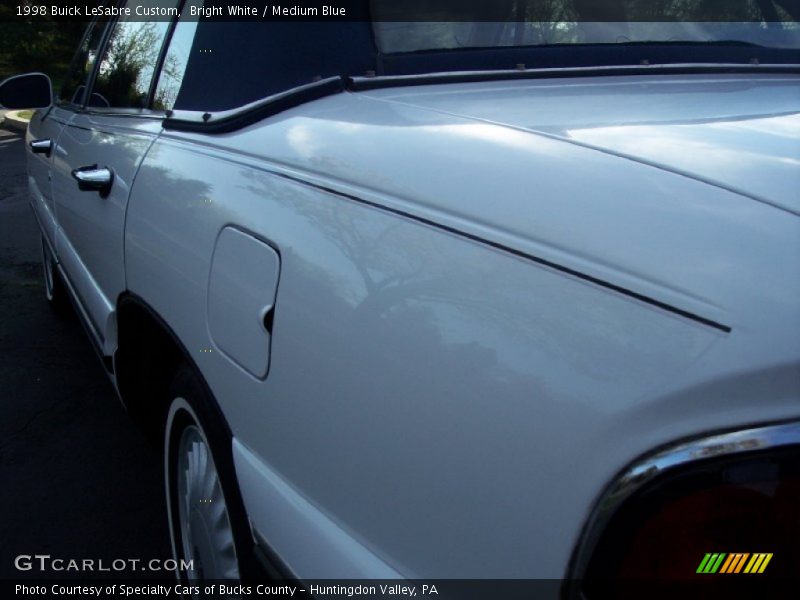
726,525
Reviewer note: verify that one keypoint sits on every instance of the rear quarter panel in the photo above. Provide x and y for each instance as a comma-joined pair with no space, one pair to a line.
452,408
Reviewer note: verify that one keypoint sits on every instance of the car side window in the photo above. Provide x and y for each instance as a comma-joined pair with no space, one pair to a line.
130,60
73,88
176,60
213,65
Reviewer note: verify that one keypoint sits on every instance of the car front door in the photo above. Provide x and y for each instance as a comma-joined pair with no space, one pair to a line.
97,156
47,125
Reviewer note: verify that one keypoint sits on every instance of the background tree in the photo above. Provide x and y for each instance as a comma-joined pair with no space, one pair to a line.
43,43
127,65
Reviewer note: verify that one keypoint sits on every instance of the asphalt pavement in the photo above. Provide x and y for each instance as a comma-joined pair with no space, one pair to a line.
77,479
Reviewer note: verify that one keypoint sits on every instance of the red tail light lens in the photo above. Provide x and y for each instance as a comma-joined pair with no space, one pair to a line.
709,528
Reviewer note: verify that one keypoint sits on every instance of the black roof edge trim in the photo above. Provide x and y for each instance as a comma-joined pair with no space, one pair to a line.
238,118
524,255
358,84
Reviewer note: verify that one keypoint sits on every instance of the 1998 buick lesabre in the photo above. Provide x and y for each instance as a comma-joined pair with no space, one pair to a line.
451,300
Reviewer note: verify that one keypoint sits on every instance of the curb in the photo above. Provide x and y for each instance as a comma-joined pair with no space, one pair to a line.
15,123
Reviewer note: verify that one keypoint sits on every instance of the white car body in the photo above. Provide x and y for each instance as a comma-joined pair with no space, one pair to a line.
489,298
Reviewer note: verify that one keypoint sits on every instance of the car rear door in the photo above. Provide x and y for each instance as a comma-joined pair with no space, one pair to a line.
98,154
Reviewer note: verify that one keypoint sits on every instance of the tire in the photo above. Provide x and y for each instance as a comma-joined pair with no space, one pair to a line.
54,290
207,520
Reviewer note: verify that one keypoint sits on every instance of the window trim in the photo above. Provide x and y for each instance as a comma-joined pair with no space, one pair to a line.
124,112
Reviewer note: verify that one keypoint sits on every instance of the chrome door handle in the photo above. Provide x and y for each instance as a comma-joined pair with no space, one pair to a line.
94,179
41,146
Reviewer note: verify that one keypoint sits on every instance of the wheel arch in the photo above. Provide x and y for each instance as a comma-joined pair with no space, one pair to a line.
148,355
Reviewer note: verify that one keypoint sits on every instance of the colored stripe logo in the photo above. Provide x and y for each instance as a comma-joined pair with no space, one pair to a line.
735,562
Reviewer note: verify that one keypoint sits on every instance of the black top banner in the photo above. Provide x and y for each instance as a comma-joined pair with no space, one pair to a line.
542,11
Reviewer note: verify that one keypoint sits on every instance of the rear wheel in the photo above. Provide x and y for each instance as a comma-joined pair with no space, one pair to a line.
206,515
